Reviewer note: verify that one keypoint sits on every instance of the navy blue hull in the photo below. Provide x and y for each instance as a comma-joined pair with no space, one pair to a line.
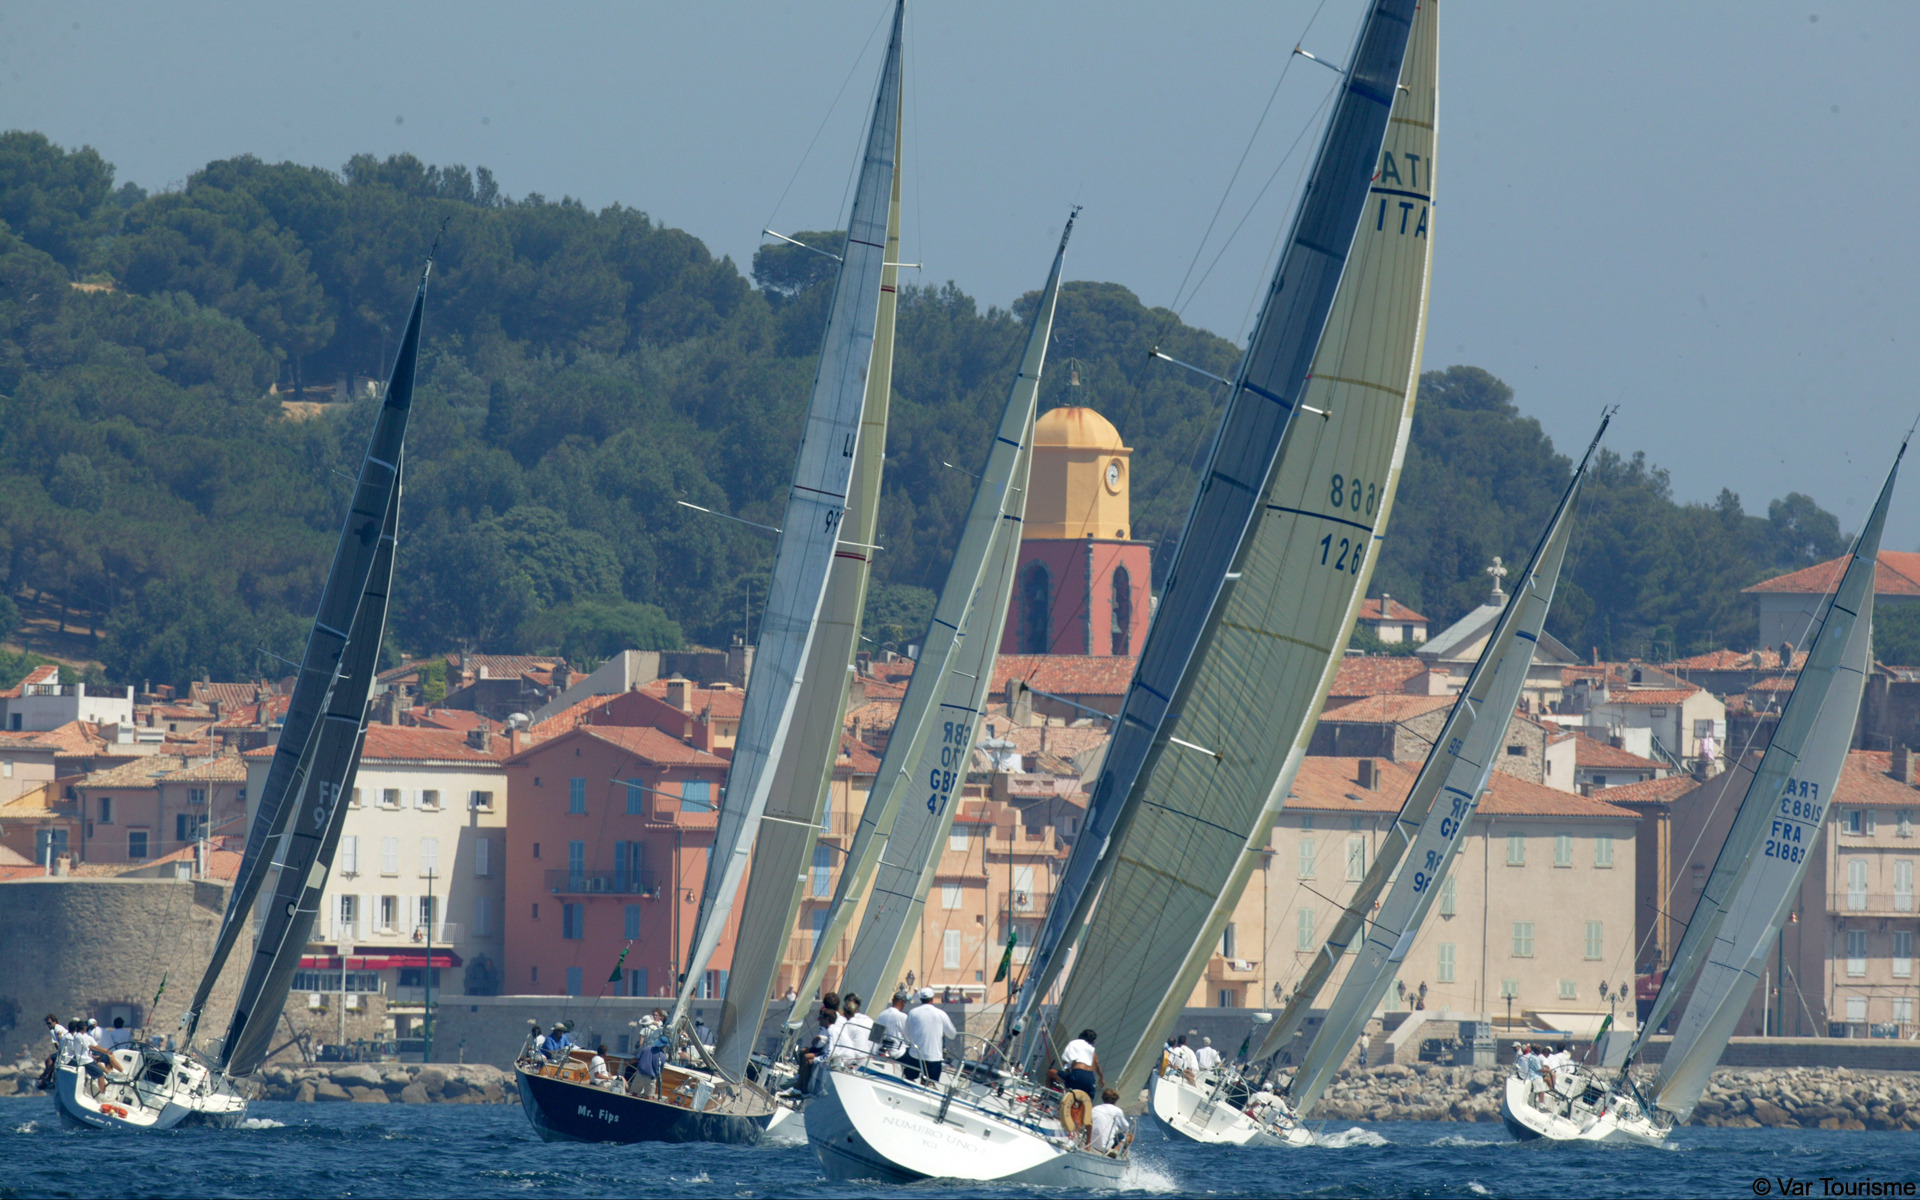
575,1112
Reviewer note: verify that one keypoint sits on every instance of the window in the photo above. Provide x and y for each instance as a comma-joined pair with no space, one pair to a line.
576,798
1122,611
1509,989
632,931
949,895
1306,858
576,864
1595,935
1445,968
573,920
1562,850
1869,822
1856,952
1036,602
1905,828
482,916
348,909
1449,896
574,982
49,844
430,800
1227,939
389,797
1023,889
1303,930
1903,1010
480,801
1903,884
957,839
355,801
389,856
1523,939
1516,751
636,798
950,949
822,872
536,916
426,914
1516,850
819,925
1356,823
350,855
1569,990
696,795
1903,954
1228,997
389,913
1857,884
106,808
483,856
1851,821
199,796
429,856
1356,859
189,827
1603,850
1856,1008
637,981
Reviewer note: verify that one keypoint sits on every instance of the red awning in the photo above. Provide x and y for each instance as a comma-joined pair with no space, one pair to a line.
379,962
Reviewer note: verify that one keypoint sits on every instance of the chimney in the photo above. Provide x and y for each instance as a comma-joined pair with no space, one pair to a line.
1903,764
680,693
1369,774
479,737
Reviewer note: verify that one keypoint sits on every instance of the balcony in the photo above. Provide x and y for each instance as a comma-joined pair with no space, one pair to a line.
601,883
1872,904
1232,970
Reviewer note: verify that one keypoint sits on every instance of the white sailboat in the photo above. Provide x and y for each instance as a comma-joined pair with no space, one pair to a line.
1747,895
299,812
836,474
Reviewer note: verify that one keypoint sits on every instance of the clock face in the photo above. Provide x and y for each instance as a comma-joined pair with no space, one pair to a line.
1113,474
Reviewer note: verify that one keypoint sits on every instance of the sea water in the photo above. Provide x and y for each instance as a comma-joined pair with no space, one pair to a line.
430,1150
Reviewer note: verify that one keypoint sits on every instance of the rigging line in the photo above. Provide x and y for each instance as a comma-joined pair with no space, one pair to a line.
1312,122
831,108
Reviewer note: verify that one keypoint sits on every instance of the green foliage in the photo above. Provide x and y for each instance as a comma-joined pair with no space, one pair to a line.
896,614
1366,640
1896,633
592,631
433,681
14,666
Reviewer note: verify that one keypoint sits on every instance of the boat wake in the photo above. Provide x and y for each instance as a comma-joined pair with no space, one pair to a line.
1477,1188
1456,1139
1348,1139
1145,1176
29,1127
262,1123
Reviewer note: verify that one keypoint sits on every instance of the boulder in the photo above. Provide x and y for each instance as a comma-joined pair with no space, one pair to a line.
454,1088
415,1093
433,1079
493,1093
308,1091
327,1089
364,1075
367,1095
1770,1115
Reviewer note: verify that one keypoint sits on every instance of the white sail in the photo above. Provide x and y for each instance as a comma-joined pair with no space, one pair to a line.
1273,623
804,775
1736,956
946,694
1455,776
810,530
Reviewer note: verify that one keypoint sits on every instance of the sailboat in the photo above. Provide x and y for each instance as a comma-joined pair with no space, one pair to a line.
1262,593
1747,896
1411,864
299,816
800,665
904,829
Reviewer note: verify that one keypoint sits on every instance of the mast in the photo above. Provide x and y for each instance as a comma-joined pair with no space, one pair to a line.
1433,823
1837,665
810,533
354,558
803,779
1271,569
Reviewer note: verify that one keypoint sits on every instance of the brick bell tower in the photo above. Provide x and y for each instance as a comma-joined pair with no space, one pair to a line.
1082,582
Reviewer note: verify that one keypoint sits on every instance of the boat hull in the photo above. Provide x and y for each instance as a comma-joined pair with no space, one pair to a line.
148,1091
564,1111
867,1124
1183,1111
1529,1122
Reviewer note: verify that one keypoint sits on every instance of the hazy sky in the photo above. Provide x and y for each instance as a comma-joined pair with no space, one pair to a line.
1693,210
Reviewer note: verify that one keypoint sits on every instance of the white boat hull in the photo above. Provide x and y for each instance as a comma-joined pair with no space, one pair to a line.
148,1090
1563,1119
866,1124
1186,1113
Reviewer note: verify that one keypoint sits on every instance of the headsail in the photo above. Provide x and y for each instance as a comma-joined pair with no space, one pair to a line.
1273,564
1273,381
811,530
1438,811
1796,810
802,778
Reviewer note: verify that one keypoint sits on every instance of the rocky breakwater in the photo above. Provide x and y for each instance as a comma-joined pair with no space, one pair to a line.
1744,1098
389,1083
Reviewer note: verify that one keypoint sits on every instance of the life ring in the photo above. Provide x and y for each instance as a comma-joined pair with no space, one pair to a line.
114,1110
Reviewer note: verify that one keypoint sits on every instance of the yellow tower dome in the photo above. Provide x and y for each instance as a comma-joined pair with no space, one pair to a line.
1081,475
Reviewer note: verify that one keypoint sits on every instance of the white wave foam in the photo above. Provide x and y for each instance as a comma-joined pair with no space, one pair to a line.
1455,1139
1147,1176
262,1123
1347,1139
29,1127
702,1177
1478,1188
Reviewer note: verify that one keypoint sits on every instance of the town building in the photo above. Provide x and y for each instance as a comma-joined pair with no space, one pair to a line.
1457,648
1391,622
41,702
1788,603
155,805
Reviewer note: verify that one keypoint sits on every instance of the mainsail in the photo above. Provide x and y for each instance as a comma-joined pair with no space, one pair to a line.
804,775
912,807
1433,823
1272,565
1797,750
810,531
354,559
1734,959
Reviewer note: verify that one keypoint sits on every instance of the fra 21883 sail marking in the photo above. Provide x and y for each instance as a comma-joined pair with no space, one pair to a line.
1800,810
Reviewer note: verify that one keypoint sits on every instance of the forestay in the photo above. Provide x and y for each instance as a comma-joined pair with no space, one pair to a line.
1450,785
1737,955
1267,606
810,529
797,803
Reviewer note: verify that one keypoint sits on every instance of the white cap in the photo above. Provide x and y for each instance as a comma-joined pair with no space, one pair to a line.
926,993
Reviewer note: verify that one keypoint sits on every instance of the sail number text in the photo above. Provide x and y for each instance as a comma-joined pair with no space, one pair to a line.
1449,827
1348,493
1402,198
1800,809
956,740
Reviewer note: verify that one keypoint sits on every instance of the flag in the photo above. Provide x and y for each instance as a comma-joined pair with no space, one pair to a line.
1605,1024
160,993
615,977
1006,960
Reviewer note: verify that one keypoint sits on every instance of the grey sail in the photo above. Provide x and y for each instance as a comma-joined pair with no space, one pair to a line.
1450,786
1736,957
1272,384
810,531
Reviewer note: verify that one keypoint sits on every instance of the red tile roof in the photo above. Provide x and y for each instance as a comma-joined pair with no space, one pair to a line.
1392,708
859,756
1775,683
1734,660
228,694
1396,611
644,742
1591,752
223,858
402,743
1066,674
1332,784
1376,675
1652,695
1648,791
459,719
1510,796
50,673
1896,573
1865,781
719,703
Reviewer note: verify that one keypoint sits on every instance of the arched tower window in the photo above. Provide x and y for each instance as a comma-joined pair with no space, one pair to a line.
1122,611
1036,613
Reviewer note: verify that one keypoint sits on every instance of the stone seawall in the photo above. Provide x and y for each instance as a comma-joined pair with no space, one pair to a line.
368,1083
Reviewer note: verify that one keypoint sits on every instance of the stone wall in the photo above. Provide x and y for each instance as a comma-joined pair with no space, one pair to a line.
368,1083
94,946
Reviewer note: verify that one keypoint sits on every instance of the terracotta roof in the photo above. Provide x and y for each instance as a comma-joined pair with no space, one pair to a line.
154,769
220,768
570,717
1896,573
1648,791
76,738
1375,675
1392,708
1591,752
1063,741
1333,784
884,689
458,719
50,673
223,858
228,694
20,740
1396,611
859,755
1652,695
34,804
644,742
1066,674
875,714
723,704
180,712
500,666
1775,683
1734,660
1510,796
402,743
1865,781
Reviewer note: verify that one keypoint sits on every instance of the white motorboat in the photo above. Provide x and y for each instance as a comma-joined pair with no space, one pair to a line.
1576,1107
148,1089
1224,1112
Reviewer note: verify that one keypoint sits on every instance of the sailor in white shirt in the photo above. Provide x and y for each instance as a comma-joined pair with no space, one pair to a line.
1206,1055
853,1036
928,1028
1080,1065
597,1069
1109,1130
891,1027
1181,1059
